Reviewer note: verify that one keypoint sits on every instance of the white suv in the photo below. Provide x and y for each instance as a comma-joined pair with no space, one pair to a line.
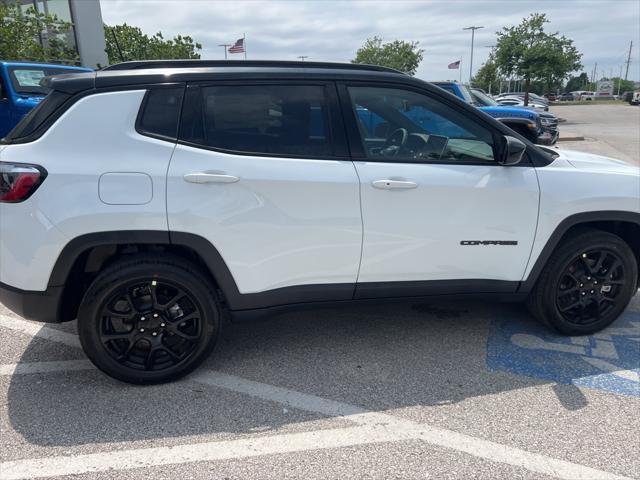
151,199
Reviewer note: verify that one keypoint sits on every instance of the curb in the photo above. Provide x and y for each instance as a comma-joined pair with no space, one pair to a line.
570,139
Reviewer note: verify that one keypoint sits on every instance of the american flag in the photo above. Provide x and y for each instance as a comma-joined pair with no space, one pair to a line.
237,47
452,66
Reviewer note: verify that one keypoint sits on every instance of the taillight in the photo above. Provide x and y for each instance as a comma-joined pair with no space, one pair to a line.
18,181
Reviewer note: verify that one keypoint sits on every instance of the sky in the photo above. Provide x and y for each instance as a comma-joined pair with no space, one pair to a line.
333,30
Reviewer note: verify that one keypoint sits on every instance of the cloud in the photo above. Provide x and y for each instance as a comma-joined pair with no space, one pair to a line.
332,30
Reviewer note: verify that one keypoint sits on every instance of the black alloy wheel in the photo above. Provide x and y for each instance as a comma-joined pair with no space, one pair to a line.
590,286
586,283
149,319
151,325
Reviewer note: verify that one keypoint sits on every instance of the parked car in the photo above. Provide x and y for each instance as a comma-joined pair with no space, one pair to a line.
550,96
635,98
566,97
519,102
582,94
523,121
548,120
20,89
150,200
532,96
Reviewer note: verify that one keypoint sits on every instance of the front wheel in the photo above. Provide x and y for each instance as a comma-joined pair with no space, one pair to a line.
149,320
586,284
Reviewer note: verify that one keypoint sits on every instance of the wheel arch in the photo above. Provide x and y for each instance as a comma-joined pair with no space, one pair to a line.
622,223
84,256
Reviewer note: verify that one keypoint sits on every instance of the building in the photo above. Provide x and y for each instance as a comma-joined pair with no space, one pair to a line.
86,35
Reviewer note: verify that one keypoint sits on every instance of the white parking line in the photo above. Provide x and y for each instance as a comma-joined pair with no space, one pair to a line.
45,367
39,330
199,452
373,428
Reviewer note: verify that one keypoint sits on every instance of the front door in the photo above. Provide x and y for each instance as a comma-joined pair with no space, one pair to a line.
438,210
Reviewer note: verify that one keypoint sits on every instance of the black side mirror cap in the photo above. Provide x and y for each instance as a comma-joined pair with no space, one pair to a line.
512,151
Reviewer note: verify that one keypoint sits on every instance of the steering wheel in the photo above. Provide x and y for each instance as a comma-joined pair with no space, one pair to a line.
394,141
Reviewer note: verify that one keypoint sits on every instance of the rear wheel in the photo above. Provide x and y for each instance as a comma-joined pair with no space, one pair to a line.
149,320
586,284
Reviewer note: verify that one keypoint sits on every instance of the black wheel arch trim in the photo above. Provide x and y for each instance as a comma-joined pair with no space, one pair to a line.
563,227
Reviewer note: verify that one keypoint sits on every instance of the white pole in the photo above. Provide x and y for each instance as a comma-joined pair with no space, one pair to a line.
244,42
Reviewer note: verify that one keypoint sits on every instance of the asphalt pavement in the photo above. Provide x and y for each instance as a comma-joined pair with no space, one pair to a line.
442,390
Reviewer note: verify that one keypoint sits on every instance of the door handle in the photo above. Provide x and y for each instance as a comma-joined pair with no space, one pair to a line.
205,177
389,184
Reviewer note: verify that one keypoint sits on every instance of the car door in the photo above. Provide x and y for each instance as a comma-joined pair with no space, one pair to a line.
438,210
261,171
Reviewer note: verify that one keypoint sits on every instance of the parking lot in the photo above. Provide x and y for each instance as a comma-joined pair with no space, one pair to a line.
432,390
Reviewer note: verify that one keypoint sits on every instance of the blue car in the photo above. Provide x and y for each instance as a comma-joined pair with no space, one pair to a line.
20,89
524,121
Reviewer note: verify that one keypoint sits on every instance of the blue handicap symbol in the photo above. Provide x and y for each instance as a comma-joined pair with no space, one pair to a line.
608,360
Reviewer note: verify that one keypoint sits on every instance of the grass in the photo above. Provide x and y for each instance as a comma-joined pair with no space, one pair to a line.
589,102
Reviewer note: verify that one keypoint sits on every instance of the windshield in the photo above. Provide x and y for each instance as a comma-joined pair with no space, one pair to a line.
482,99
26,80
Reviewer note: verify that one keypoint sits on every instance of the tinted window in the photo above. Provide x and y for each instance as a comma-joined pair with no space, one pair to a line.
264,119
161,111
401,125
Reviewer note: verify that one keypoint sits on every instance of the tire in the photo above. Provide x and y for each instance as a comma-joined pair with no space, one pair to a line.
571,275
149,319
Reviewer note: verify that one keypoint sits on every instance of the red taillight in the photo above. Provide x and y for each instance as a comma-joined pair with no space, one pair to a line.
18,181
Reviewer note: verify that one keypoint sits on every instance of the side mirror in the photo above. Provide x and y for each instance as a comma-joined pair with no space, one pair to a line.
512,151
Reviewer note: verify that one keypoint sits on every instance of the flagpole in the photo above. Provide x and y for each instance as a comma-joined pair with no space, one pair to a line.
460,71
244,41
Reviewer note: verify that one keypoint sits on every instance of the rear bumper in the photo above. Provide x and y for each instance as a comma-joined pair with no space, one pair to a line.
38,306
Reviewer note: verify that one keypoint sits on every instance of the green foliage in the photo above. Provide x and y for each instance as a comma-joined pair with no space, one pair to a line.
487,77
579,82
401,55
625,85
530,53
20,33
127,43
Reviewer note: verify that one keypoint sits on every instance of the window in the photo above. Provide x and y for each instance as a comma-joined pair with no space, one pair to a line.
263,119
401,125
160,112
27,79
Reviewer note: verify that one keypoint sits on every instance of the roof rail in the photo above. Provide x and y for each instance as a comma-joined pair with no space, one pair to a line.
146,64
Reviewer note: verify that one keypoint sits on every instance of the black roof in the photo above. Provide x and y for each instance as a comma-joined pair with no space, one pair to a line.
168,71
147,64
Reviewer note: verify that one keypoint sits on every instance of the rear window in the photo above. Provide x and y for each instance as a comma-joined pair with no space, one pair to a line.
37,117
160,112
262,119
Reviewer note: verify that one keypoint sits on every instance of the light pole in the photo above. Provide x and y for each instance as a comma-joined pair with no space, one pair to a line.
224,47
473,34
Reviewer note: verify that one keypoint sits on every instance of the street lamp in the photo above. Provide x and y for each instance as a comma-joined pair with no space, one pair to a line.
473,34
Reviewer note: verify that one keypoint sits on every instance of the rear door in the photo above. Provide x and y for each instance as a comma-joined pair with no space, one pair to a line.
261,171
438,210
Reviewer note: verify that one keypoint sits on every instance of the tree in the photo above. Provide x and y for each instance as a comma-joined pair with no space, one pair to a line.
401,55
487,77
127,43
577,83
530,53
34,36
